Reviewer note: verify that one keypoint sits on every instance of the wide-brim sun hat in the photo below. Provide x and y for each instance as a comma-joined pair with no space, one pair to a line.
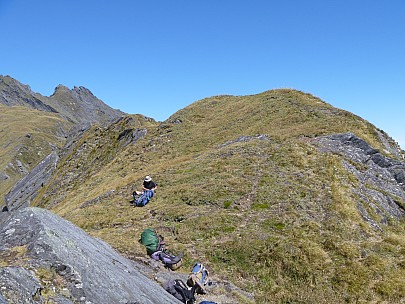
148,178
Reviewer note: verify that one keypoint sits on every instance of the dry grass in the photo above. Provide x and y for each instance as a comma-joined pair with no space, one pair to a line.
272,215
15,256
28,136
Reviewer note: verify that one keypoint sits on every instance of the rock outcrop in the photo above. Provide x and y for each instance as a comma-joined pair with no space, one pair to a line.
27,188
46,259
381,179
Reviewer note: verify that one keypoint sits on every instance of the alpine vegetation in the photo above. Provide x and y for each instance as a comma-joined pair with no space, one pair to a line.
282,197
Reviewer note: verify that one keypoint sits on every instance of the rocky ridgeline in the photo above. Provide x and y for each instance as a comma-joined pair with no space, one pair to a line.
112,138
78,105
13,93
45,258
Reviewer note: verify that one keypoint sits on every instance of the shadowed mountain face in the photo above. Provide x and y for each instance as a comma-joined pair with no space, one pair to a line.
279,193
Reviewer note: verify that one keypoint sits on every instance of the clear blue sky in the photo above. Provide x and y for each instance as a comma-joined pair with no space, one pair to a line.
156,57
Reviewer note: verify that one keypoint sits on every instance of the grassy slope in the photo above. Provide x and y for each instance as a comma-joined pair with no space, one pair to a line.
273,216
26,135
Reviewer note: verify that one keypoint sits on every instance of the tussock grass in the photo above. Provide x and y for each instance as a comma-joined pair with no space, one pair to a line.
271,214
52,283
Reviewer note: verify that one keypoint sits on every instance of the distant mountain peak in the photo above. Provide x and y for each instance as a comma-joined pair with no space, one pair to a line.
11,83
60,87
81,89
83,92
13,93
78,105
81,105
76,89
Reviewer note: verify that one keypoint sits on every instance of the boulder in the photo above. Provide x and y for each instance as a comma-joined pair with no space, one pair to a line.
46,258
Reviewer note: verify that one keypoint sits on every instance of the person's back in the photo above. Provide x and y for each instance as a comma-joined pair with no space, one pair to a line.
148,184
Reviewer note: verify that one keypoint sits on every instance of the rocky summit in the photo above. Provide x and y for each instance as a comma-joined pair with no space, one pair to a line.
46,259
81,106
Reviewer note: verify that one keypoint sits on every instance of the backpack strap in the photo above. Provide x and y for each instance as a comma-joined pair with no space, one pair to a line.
193,289
162,243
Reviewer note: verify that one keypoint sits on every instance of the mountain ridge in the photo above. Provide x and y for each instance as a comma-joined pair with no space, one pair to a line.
78,105
279,193
13,93
248,170
28,136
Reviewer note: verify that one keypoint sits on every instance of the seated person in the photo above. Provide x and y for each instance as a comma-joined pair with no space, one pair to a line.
148,184
141,198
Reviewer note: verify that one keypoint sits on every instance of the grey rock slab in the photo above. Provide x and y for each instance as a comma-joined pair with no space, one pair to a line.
27,188
94,272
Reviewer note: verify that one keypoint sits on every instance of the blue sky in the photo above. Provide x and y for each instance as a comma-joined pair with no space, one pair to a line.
156,57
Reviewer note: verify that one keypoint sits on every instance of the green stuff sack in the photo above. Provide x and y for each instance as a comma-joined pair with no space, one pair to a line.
151,240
